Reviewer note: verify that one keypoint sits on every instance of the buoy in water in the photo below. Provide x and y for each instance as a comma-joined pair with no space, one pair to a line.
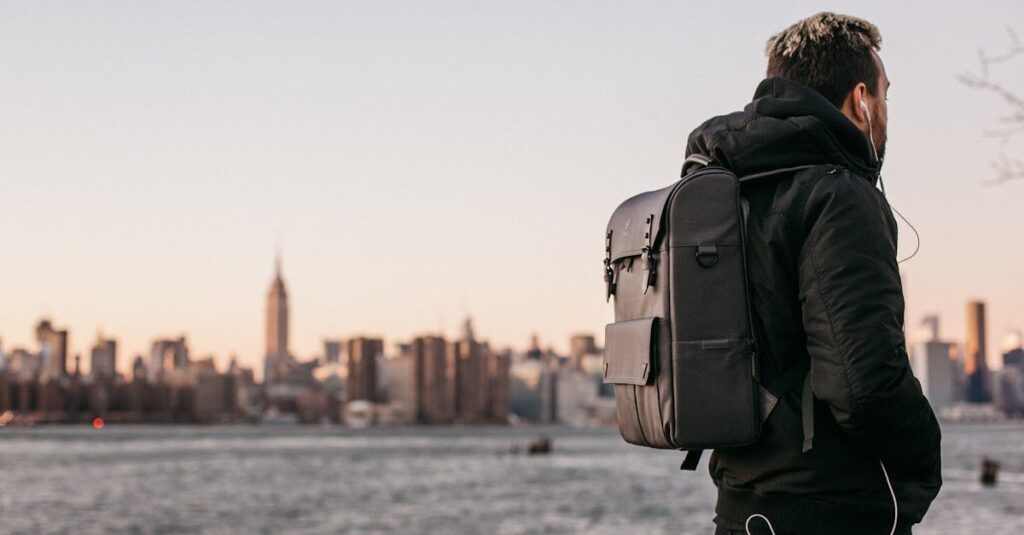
989,472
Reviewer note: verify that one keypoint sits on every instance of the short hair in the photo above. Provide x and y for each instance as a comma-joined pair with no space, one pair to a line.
827,52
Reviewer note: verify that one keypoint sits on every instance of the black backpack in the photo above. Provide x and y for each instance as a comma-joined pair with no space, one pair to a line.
682,353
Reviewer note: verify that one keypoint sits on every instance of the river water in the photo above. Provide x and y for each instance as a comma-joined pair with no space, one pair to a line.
239,479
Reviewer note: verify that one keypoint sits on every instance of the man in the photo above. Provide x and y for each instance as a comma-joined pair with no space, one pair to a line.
826,289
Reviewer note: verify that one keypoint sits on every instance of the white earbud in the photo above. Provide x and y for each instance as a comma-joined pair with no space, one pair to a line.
871,141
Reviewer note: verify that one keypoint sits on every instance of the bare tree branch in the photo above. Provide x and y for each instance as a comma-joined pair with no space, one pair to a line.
1007,167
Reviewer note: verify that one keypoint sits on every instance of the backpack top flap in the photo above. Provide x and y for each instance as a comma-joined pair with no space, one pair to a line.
634,219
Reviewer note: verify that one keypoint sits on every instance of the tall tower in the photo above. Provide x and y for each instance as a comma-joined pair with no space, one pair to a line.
277,323
362,368
975,366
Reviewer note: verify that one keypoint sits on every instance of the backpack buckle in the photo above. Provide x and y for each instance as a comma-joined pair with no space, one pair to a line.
647,255
707,255
609,273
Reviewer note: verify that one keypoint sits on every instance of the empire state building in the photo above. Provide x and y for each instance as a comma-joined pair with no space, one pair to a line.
277,327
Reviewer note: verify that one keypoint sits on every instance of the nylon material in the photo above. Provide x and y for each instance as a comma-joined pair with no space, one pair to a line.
717,406
664,380
718,317
705,210
844,224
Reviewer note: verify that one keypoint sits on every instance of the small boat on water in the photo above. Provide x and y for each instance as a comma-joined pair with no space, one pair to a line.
540,445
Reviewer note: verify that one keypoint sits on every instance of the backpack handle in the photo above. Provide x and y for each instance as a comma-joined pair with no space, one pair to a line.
695,159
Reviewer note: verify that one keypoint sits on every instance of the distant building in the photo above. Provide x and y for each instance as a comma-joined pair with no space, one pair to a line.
1009,391
499,390
434,379
399,378
168,359
577,397
204,365
103,359
277,361
533,392
363,354
975,365
581,345
53,351
933,363
1013,353
470,358
534,352
215,397
332,351
139,372
24,366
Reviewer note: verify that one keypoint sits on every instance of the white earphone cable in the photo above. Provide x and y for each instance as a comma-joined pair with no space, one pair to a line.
746,525
874,154
895,506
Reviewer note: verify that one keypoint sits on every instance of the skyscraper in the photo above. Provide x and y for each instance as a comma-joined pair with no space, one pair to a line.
434,379
471,381
53,349
975,366
103,361
277,328
498,389
362,368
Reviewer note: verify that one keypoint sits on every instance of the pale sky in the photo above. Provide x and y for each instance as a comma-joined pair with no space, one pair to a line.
416,161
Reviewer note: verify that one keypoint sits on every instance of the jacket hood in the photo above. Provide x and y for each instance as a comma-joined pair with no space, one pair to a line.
787,124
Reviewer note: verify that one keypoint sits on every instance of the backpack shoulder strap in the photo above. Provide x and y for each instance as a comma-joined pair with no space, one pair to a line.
691,460
763,174
798,374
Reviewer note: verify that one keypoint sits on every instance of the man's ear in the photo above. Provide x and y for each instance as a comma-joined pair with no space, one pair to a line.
852,108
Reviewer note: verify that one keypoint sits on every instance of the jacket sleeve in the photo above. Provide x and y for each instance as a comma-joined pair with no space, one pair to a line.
852,301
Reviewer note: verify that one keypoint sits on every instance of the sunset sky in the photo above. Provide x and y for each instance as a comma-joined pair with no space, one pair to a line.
418,161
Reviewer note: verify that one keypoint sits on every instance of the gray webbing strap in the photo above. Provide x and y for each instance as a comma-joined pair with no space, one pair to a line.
691,460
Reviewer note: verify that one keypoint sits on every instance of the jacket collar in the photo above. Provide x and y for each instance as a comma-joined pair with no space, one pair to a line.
786,124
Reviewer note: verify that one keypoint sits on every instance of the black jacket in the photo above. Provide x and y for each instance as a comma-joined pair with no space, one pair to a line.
825,286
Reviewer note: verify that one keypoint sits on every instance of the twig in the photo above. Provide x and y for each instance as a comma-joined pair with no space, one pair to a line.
1007,168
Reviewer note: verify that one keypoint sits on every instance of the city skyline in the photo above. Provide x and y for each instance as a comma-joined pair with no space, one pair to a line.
421,162
275,333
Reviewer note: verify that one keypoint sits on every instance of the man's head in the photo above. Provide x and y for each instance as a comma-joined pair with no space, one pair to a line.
836,55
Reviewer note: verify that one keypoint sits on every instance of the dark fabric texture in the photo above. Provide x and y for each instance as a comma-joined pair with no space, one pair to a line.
825,289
